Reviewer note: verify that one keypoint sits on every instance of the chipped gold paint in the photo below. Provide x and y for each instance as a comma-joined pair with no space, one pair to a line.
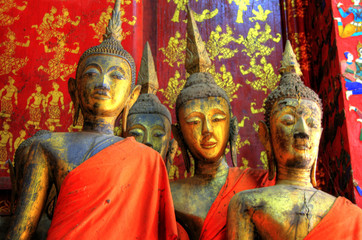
242,7
175,50
8,63
102,90
216,45
181,6
79,124
206,140
7,7
173,89
53,107
292,206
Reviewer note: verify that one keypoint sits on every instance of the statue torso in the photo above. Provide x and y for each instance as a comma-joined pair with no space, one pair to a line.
291,211
192,199
66,151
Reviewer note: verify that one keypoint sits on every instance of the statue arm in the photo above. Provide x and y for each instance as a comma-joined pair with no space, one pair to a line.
33,192
239,224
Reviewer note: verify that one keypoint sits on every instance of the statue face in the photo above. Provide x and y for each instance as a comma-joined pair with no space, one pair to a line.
153,130
295,129
205,127
104,85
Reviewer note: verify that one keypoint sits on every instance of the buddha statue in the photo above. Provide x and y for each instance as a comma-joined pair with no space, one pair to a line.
293,208
107,187
149,121
205,126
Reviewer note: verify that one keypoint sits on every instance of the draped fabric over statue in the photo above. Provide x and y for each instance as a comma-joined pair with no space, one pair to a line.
115,187
343,221
238,180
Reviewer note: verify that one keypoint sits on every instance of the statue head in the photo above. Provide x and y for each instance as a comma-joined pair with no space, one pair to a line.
148,120
105,76
203,109
293,115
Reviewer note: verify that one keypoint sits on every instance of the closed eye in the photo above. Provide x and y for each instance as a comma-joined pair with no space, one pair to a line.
117,75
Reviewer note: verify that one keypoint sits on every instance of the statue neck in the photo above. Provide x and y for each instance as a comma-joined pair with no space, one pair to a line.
104,125
211,170
293,176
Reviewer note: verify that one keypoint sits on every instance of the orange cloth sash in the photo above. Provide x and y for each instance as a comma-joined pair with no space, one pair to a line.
343,221
122,192
238,180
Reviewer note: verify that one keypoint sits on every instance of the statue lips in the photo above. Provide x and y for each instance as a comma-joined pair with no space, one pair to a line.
101,94
301,144
208,143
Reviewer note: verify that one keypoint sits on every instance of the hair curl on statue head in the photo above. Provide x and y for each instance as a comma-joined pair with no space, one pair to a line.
200,85
290,86
148,103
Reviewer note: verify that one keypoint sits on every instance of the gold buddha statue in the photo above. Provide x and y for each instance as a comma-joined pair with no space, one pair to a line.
149,121
204,128
99,178
293,207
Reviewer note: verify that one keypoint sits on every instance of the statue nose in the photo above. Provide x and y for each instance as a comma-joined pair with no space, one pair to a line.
206,126
104,83
147,140
301,129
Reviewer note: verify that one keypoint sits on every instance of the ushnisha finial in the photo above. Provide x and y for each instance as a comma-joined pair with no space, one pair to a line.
289,62
114,28
197,59
147,76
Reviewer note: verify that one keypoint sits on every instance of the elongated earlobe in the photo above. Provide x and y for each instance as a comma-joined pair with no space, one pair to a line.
314,173
264,136
72,89
130,101
176,131
234,129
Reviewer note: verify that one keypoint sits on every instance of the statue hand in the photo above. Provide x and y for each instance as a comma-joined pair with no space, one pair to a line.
339,4
351,108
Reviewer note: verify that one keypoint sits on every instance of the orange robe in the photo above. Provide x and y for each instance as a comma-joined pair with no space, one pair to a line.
343,221
122,192
238,180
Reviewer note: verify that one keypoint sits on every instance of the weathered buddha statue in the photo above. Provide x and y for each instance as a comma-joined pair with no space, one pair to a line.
149,121
204,128
293,208
107,187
